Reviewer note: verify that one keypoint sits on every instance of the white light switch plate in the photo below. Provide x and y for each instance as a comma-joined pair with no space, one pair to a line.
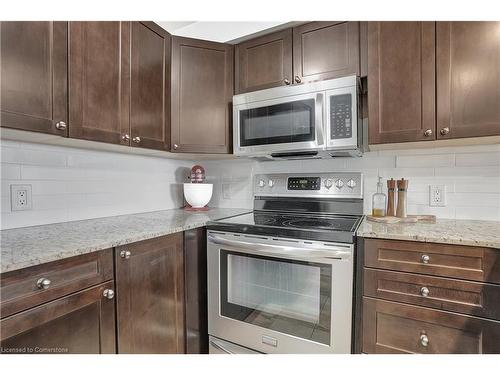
437,195
20,197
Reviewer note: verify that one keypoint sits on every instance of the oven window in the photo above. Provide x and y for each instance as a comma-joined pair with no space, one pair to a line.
281,123
291,297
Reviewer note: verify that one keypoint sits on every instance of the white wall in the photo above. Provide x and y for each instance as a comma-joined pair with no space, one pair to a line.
471,175
75,184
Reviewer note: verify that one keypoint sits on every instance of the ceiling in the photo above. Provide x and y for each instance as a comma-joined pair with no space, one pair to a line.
224,32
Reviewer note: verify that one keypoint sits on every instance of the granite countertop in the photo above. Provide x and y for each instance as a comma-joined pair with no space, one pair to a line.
24,247
458,232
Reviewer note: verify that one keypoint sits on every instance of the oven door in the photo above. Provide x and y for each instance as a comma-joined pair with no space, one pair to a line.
286,124
278,295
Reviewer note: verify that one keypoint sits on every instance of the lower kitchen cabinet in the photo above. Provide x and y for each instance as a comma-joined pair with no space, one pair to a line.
390,327
150,295
83,322
434,298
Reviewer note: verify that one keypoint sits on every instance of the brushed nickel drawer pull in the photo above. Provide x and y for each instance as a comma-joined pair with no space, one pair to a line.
108,293
61,125
125,254
424,340
43,283
425,258
424,291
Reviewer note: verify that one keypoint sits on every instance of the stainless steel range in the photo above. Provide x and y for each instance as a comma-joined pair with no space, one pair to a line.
280,279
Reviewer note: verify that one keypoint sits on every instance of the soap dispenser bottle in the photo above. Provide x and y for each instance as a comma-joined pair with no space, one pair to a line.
379,201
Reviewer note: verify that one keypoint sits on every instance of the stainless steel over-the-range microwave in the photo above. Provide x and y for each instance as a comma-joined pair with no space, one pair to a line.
314,119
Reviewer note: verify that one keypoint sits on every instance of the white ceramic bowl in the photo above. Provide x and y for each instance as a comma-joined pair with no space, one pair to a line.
198,195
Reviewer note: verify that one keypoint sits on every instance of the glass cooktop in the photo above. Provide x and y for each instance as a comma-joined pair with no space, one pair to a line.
279,224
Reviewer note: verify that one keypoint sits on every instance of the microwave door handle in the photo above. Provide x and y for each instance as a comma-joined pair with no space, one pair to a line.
284,250
319,119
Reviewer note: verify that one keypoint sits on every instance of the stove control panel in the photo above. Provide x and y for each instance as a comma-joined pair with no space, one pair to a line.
331,185
304,183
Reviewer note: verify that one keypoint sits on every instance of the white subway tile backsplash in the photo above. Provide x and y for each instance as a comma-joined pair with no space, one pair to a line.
460,169
469,171
478,159
19,155
10,171
430,161
31,172
76,184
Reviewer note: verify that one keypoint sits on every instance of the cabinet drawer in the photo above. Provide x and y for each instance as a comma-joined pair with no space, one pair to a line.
390,327
466,297
20,289
462,262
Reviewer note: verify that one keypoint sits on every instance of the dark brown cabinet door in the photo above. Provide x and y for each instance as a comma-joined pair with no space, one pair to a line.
99,81
264,62
150,295
82,322
150,86
34,76
468,79
401,81
325,50
202,89
390,327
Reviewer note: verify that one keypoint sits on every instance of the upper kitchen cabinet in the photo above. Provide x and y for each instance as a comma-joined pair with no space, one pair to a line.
401,81
325,50
34,76
99,76
150,86
264,62
468,79
202,89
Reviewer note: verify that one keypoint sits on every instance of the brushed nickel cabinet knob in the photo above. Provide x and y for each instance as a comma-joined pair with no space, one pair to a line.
297,79
424,340
136,139
43,283
425,258
109,293
176,146
428,133
125,137
61,125
424,291
445,131
125,254
286,81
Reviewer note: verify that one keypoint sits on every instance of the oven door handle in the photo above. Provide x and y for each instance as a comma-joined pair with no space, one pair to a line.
313,252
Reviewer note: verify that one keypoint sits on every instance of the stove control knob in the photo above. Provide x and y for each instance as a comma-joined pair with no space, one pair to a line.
351,183
328,183
339,183
262,183
270,183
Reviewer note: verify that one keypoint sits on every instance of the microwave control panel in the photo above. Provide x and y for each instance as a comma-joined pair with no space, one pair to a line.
341,116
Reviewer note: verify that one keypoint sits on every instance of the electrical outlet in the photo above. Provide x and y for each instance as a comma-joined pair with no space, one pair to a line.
437,195
226,191
20,197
